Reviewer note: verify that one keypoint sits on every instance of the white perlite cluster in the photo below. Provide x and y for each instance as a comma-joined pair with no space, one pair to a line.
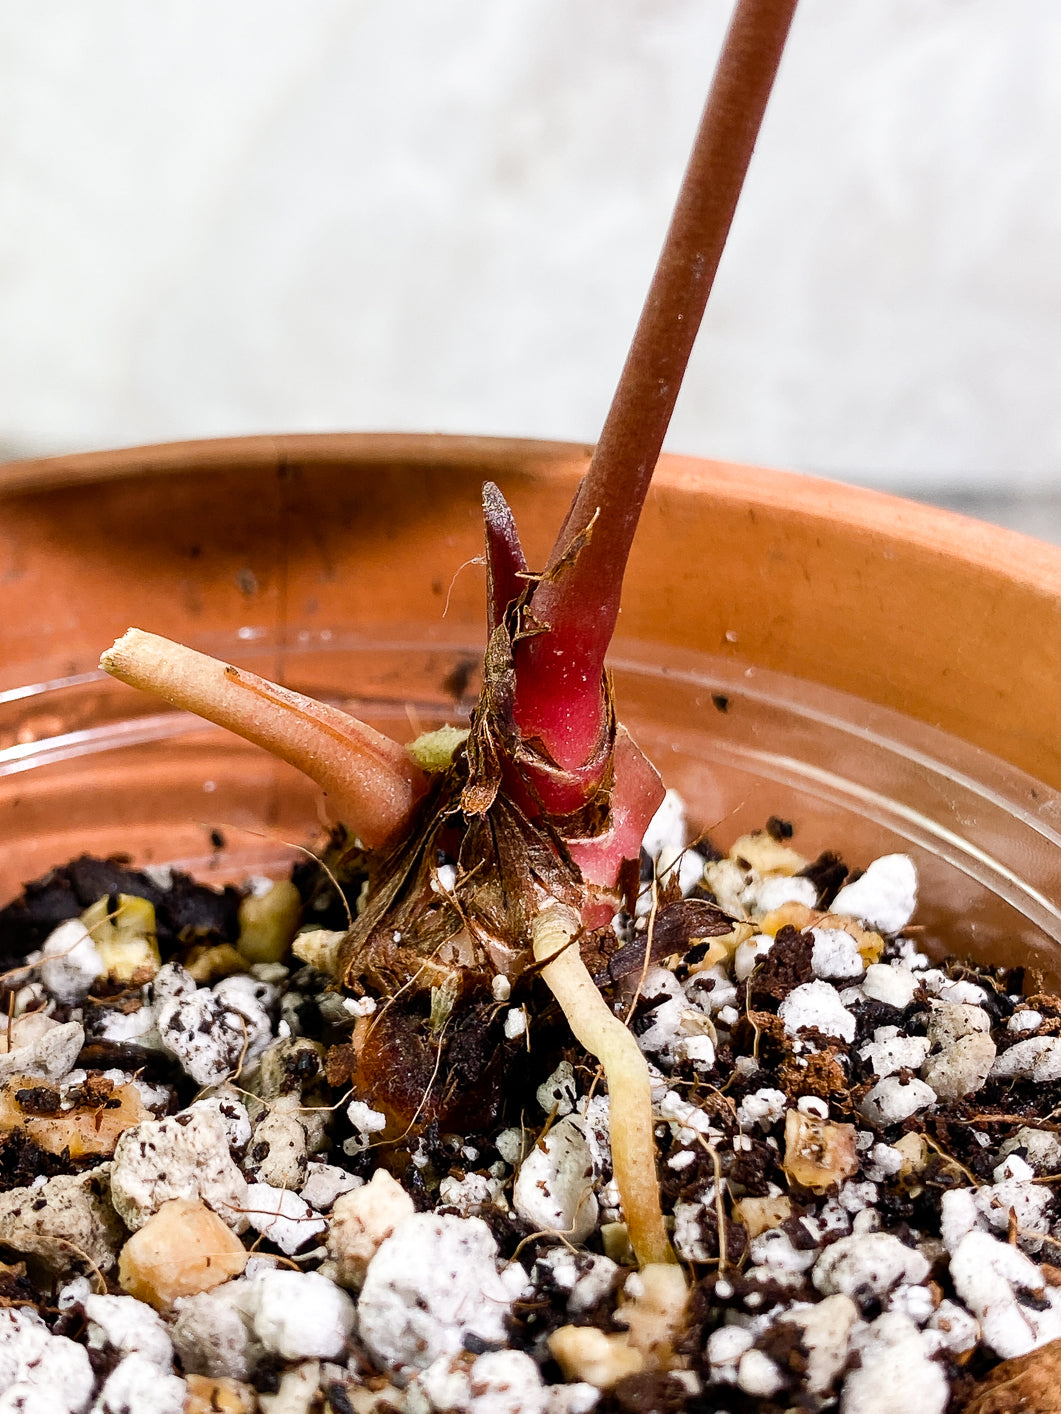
280,1250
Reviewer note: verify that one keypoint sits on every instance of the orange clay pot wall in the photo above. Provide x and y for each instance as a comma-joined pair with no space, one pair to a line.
341,564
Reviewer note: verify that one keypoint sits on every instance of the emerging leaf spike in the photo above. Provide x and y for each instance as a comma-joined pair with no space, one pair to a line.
371,784
505,561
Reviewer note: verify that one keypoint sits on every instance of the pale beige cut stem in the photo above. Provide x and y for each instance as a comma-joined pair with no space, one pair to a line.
371,784
626,1070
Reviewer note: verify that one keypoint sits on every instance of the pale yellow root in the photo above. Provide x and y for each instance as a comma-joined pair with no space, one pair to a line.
371,783
626,1070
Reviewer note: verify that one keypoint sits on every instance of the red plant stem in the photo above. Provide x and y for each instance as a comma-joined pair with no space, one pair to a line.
559,673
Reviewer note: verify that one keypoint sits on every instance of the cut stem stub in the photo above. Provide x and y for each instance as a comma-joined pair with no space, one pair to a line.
370,782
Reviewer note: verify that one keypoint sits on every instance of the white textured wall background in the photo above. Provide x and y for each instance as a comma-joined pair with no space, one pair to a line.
224,216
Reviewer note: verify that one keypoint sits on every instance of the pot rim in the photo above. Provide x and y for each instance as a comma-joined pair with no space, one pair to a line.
949,621
1008,552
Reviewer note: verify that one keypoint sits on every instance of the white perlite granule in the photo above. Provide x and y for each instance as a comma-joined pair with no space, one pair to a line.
298,1315
431,1284
884,897
186,1156
554,1186
816,1005
40,1372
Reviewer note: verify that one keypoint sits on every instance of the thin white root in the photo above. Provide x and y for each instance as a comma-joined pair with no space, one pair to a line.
626,1070
371,783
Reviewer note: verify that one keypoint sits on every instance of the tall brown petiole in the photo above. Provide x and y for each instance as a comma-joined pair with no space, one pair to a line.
559,692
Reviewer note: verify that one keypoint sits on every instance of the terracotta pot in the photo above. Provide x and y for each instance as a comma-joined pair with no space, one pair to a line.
883,674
